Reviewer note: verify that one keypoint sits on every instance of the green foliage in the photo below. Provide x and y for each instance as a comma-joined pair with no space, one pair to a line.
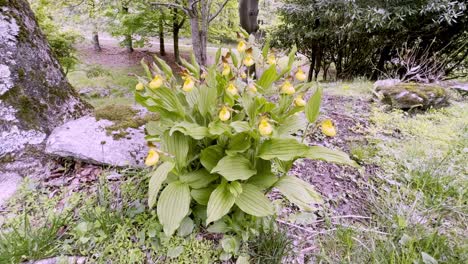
363,38
24,242
61,42
418,210
221,133
271,245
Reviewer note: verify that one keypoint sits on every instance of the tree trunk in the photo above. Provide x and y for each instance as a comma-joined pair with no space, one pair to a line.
128,38
35,95
175,33
384,56
96,45
162,50
248,13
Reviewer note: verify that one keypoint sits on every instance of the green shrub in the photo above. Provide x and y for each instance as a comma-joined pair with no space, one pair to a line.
221,132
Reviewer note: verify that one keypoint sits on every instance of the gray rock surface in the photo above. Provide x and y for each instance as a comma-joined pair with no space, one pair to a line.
86,139
9,183
412,95
35,96
60,260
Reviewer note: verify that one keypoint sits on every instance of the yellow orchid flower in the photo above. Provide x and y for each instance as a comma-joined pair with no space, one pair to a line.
152,158
140,87
287,88
188,84
243,75
224,114
251,88
328,128
226,69
271,59
241,46
300,75
231,89
248,61
156,82
265,128
299,102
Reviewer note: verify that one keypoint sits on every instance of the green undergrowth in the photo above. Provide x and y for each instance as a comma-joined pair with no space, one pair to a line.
110,224
420,197
116,82
123,116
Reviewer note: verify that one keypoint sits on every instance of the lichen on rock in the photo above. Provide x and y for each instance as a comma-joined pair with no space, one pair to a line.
408,96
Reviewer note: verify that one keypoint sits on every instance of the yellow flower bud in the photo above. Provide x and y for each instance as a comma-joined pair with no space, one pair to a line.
265,128
287,88
226,69
251,88
300,75
241,47
224,114
231,89
248,61
152,158
271,59
299,102
328,128
156,82
188,84
139,87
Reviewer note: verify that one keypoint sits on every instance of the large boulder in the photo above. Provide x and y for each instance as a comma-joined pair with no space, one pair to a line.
408,96
87,139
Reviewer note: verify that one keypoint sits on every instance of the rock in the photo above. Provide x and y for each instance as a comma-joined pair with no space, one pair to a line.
386,83
35,96
407,96
9,183
60,260
94,92
86,139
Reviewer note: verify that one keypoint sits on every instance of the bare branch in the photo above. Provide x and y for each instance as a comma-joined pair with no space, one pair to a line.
219,11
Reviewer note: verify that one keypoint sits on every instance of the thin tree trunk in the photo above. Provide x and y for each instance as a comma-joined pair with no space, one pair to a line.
96,45
311,70
128,38
35,96
175,33
162,50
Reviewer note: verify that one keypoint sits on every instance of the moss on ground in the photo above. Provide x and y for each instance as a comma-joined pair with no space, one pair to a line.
124,117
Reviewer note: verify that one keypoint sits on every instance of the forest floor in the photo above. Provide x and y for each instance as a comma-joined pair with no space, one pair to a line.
408,203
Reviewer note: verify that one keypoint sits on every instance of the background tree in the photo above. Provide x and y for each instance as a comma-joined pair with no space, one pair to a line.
362,38
35,95
200,13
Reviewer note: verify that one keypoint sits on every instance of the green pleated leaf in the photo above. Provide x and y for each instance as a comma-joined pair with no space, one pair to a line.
234,168
210,156
198,179
177,145
291,125
240,126
218,128
202,196
298,192
166,99
220,202
173,206
234,58
253,201
264,178
266,49
190,129
268,78
157,178
330,155
238,143
207,95
192,69
165,67
195,65
312,108
282,148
